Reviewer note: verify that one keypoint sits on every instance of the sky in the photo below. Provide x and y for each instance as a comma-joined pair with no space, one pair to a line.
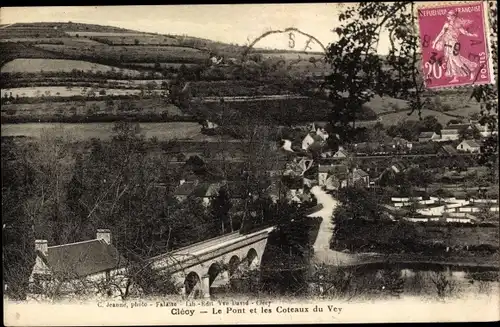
239,23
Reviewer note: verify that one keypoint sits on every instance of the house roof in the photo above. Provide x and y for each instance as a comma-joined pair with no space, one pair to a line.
400,140
458,126
367,145
185,189
472,143
206,190
81,259
449,149
332,169
316,137
360,173
426,134
449,131
400,165
341,153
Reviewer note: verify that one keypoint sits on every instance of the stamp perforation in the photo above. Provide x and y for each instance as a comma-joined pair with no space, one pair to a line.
487,30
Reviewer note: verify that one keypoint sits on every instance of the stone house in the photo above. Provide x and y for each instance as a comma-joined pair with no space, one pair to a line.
470,146
79,267
428,137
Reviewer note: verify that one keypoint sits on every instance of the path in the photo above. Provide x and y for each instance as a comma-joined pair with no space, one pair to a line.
322,251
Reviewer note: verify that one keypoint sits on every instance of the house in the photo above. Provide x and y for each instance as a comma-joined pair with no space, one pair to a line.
77,267
208,125
449,134
310,139
322,133
470,146
400,143
484,130
333,177
359,176
215,60
206,192
428,137
447,150
340,154
298,166
287,145
459,126
398,167
184,190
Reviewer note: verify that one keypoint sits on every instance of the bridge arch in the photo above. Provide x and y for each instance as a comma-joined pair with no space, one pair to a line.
213,271
252,258
192,285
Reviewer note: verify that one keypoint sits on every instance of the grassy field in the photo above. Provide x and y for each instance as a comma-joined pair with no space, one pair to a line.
162,64
163,131
58,65
395,117
126,39
460,236
288,55
130,53
62,91
104,34
151,105
70,41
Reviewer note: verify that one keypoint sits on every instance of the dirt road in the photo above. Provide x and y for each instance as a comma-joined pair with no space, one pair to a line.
322,251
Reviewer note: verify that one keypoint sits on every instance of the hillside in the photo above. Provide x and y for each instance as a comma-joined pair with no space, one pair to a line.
70,62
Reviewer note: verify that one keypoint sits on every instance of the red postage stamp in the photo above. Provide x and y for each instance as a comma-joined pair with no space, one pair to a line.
454,43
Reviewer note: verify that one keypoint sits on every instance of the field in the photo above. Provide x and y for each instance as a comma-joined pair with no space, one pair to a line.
142,106
163,131
130,53
70,41
459,236
126,39
289,55
103,34
386,104
162,64
62,91
395,117
58,65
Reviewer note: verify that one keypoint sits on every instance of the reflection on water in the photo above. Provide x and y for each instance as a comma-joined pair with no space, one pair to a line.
375,281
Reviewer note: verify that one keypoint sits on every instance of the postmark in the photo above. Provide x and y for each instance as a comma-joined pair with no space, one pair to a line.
455,45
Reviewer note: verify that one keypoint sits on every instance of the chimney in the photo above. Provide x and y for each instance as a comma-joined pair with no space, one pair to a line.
104,234
42,246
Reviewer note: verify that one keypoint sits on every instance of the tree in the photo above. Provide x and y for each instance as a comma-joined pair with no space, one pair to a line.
430,123
418,177
469,133
220,207
18,240
358,68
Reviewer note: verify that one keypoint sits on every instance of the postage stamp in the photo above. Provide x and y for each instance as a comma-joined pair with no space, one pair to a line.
454,43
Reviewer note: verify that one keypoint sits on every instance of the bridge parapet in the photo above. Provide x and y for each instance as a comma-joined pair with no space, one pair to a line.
202,252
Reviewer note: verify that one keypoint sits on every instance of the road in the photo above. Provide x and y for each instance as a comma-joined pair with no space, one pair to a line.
322,251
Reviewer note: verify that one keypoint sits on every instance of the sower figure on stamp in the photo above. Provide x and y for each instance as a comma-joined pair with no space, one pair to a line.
447,41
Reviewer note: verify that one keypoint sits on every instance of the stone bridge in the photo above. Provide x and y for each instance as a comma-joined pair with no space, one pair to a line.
200,266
